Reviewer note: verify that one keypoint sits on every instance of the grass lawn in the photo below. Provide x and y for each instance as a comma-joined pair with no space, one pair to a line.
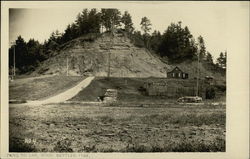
129,89
35,88
84,128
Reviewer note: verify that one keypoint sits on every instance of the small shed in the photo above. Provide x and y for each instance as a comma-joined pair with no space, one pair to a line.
110,95
177,73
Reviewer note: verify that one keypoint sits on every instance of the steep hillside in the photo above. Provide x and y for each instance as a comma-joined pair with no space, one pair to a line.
89,55
91,58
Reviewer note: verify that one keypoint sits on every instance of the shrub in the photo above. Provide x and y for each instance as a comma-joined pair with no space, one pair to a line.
221,88
143,90
210,93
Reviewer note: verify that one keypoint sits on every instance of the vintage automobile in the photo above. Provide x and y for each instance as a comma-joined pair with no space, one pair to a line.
190,99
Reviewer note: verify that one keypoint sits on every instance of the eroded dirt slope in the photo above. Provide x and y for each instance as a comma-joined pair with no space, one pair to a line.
91,58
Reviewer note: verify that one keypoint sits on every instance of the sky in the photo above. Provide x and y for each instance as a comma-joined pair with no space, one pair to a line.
211,20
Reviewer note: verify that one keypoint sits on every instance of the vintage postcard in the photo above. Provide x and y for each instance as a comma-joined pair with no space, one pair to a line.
124,79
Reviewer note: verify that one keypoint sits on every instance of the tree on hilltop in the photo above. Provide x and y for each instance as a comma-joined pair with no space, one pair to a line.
202,48
145,26
222,60
110,18
127,21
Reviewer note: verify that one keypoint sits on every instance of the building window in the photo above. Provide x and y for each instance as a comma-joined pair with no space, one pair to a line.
183,75
179,74
173,74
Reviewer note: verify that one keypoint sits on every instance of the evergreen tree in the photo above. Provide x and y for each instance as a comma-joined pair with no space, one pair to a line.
27,55
127,21
82,22
21,54
177,43
67,36
222,60
202,48
110,18
145,26
94,21
209,58
137,39
155,40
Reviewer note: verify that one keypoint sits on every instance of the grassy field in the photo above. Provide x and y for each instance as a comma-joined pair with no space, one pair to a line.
35,88
129,89
85,128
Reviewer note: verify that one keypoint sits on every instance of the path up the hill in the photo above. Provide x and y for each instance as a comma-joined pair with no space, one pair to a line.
66,95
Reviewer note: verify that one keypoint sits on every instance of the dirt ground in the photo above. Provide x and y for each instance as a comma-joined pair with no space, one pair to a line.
85,128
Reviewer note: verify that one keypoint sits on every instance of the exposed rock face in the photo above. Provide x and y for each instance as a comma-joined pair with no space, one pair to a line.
92,58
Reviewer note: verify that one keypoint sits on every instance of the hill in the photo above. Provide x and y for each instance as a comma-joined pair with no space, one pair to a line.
89,55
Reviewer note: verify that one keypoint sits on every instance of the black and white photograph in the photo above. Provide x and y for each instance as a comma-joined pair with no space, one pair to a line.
120,77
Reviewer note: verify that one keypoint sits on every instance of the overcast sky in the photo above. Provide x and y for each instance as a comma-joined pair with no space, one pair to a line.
212,20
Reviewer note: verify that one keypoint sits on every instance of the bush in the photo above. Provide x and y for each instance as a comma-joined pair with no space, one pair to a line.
143,90
210,93
221,88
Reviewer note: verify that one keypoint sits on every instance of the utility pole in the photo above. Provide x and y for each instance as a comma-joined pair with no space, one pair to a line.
110,45
198,71
14,61
109,63
67,66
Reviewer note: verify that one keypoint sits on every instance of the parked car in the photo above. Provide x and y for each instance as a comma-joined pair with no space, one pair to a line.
190,99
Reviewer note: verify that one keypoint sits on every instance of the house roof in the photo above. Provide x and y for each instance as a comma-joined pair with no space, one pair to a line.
181,68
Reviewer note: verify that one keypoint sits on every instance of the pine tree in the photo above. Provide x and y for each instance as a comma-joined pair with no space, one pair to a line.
94,21
145,26
177,43
202,48
222,60
155,40
127,21
209,58
110,18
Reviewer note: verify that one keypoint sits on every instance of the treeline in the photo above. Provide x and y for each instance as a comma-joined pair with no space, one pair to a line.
176,44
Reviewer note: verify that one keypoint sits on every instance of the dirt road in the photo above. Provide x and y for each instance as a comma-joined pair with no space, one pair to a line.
64,96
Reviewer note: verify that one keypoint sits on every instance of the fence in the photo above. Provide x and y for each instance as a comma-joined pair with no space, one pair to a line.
174,88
